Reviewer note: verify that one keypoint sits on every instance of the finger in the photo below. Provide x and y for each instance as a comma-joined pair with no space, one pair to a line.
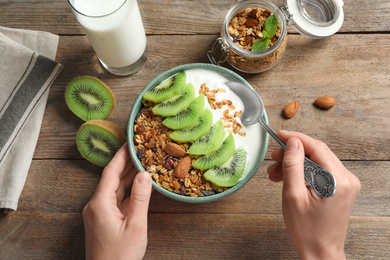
125,183
293,177
112,173
139,200
275,172
317,151
278,155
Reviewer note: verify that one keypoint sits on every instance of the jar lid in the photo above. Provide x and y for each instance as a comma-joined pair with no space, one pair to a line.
315,18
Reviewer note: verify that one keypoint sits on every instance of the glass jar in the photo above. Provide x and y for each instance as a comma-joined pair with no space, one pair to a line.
312,18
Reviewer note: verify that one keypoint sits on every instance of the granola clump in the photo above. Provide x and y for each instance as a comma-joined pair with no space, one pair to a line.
244,29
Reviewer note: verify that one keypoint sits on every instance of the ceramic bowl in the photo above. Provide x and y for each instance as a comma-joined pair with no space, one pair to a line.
231,76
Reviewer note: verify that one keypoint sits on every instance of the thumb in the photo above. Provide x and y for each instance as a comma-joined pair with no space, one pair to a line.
139,199
293,178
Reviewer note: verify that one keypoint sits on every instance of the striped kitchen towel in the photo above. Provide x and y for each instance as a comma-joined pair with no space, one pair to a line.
27,70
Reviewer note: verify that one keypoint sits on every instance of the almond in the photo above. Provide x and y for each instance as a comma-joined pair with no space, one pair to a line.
325,102
183,167
291,109
251,22
175,150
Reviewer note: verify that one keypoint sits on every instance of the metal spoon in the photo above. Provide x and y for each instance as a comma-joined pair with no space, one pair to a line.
319,179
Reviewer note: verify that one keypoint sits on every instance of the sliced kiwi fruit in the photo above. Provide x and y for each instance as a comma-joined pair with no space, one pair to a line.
89,98
204,123
231,172
188,117
99,140
167,89
176,104
218,157
209,142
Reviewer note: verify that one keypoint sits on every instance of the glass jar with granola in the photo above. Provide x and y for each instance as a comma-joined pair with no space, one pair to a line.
254,33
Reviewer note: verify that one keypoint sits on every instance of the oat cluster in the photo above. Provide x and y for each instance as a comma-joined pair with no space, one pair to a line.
244,29
230,122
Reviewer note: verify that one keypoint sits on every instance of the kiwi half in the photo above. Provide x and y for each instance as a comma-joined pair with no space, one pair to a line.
217,158
176,104
89,98
204,123
231,172
188,117
99,140
209,142
167,89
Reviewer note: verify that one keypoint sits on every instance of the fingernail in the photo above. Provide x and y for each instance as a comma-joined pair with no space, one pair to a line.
292,144
143,178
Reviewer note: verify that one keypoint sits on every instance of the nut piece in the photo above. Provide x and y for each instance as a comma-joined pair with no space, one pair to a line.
291,109
175,150
325,102
183,167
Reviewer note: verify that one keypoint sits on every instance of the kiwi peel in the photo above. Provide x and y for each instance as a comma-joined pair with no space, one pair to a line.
231,172
99,140
218,157
89,98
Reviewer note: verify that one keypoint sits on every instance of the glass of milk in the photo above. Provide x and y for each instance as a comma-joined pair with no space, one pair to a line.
115,31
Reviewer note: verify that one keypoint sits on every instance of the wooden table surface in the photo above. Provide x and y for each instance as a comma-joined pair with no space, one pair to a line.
353,66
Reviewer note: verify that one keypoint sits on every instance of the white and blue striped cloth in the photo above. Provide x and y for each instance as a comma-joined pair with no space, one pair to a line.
27,70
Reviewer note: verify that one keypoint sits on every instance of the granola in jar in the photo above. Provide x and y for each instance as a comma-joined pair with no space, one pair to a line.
245,25
245,28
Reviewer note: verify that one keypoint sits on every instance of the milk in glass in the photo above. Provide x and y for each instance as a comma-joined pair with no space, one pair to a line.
114,29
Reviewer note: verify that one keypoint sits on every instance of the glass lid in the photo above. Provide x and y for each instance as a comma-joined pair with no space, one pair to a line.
316,18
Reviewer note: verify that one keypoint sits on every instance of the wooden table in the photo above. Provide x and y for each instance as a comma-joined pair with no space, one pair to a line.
352,66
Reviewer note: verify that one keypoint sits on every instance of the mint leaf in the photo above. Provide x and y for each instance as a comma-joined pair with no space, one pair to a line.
261,44
270,26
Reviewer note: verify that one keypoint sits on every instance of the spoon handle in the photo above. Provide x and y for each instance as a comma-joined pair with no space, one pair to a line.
320,180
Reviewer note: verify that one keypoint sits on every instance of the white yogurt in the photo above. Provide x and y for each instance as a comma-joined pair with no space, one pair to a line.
254,134
114,29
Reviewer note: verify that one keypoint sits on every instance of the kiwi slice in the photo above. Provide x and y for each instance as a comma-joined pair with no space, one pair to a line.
218,157
175,105
205,121
99,140
167,89
188,117
89,98
231,172
209,142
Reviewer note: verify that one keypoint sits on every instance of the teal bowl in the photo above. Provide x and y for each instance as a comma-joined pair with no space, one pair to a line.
231,76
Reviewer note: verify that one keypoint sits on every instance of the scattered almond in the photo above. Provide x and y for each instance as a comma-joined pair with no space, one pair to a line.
325,102
175,150
291,109
183,167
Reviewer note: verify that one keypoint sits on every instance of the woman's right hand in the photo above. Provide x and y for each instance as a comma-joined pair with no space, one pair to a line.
317,226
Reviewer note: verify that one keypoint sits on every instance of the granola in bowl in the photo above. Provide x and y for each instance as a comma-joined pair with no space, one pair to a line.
176,169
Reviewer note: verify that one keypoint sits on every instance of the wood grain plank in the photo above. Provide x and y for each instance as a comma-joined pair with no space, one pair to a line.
176,17
65,186
171,236
356,77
